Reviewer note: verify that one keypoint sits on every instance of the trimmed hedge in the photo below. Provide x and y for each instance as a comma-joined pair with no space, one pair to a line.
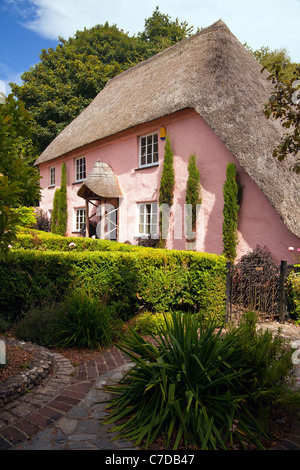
152,279
293,294
43,241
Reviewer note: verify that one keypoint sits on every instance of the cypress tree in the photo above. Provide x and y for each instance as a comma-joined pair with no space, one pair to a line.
167,183
62,217
230,212
55,211
193,194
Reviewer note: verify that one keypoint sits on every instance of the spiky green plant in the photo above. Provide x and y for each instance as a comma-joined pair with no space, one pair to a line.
190,387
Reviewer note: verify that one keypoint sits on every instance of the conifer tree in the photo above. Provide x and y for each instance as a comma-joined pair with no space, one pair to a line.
62,217
230,213
167,183
193,195
60,206
55,211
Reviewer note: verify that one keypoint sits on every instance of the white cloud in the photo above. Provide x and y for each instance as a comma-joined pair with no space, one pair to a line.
2,87
272,23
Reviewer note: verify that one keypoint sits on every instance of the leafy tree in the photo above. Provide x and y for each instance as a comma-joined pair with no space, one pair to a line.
284,104
167,183
69,77
19,180
161,32
230,212
193,192
271,59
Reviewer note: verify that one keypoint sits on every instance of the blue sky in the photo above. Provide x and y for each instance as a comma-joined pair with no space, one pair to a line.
28,26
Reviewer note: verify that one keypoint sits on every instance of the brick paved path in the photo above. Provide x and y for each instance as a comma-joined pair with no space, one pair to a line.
34,412
64,412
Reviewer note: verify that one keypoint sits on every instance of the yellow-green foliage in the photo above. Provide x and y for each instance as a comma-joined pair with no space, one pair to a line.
129,278
293,294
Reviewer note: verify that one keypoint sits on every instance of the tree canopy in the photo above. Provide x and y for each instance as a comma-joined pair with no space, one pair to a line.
19,180
69,77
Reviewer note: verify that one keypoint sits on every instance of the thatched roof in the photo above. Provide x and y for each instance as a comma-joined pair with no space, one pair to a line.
101,181
214,74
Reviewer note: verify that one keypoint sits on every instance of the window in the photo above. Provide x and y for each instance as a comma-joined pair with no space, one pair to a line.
80,172
149,150
52,176
80,219
148,219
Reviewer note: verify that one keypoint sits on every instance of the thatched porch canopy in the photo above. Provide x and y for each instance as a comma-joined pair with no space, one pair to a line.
100,183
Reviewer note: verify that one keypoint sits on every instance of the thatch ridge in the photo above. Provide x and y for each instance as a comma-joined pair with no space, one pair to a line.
213,73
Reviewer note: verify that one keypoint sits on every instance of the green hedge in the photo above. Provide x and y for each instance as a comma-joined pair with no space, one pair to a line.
293,294
152,279
43,241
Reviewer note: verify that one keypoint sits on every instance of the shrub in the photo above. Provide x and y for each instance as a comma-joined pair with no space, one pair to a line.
148,323
194,387
85,322
39,325
152,279
27,217
39,240
78,320
293,294
43,222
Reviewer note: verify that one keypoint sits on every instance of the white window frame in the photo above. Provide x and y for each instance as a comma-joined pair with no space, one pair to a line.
147,222
52,175
80,175
148,149
79,216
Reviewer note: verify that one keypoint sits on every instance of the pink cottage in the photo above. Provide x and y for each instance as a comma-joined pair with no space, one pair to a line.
207,93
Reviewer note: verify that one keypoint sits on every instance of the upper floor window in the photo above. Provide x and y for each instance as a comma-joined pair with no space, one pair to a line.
149,150
52,176
80,171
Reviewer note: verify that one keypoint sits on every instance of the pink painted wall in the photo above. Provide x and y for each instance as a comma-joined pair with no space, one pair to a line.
259,223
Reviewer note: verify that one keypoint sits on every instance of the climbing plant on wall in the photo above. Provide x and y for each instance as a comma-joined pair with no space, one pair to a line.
230,212
193,197
166,189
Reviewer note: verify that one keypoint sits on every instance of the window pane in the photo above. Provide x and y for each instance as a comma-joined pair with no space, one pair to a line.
149,149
